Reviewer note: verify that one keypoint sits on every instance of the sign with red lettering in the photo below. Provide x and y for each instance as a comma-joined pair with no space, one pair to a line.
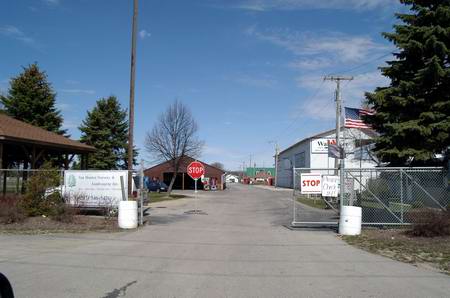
310,183
195,170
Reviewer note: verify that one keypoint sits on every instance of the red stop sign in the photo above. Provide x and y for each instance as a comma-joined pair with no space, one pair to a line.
195,170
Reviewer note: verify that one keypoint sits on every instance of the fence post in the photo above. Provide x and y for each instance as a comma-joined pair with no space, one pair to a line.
401,194
61,183
141,193
293,195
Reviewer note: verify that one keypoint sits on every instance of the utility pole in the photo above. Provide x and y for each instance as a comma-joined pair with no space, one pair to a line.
250,164
338,99
341,166
131,112
277,151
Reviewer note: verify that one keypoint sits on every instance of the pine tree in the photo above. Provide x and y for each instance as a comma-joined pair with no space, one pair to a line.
413,112
106,128
31,99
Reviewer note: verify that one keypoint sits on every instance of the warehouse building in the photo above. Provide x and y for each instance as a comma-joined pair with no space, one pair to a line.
312,152
213,178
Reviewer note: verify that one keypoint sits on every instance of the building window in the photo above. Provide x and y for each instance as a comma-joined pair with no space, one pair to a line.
300,160
287,164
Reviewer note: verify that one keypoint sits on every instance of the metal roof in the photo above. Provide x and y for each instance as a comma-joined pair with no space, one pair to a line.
369,132
16,131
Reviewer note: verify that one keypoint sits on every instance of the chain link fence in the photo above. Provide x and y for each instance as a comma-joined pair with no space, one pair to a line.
309,206
387,196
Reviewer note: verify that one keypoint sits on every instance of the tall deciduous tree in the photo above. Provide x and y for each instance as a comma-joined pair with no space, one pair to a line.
106,128
173,137
413,112
31,99
218,165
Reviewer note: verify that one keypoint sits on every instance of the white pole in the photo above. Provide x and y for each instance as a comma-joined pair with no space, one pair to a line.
195,196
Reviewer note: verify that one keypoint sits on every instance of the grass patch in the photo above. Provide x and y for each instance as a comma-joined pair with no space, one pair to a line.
316,203
155,197
398,245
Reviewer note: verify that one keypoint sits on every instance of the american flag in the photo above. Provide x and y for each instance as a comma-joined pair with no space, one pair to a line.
353,117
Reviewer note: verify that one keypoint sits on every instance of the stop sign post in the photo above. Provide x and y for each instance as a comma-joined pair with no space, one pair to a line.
195,170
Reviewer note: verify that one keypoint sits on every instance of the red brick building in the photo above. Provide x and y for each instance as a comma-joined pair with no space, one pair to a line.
164,172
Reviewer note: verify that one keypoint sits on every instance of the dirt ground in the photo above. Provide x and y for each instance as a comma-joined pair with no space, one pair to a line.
80,223
433,253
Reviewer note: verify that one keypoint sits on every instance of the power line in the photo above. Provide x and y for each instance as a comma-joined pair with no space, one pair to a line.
294,121
360,65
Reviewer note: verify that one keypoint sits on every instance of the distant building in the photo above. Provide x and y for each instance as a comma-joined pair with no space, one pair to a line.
260,175
230,178
312,152
253,171
164,172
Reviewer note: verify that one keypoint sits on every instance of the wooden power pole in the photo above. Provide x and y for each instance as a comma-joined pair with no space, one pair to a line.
131,111
341,166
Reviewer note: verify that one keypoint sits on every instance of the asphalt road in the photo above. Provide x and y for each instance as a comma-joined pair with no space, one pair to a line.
238,248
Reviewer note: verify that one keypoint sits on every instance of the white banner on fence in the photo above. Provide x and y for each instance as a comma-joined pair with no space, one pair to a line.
91,188
310,183
330,186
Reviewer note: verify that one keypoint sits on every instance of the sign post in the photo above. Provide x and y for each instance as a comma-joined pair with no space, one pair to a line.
195,170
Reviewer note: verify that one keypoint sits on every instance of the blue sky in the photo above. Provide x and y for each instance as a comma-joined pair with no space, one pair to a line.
250,70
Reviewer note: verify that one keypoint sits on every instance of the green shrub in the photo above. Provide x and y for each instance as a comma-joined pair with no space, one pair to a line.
41,196
11,210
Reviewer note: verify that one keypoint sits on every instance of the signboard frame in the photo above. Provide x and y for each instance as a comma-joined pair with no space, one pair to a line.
310,189
94,188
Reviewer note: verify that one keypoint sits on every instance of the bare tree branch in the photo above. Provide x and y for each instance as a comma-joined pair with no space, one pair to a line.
174,136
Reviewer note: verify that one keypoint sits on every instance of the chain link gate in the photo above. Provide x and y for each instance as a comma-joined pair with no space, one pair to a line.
313,209
387,196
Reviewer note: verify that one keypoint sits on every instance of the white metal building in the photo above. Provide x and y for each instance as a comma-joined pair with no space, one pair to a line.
230,178
312,152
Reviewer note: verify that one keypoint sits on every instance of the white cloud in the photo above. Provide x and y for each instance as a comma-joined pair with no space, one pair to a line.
82,91
71,82
63,106
70,124
51,2
338,47
311,63
322,106
143,34
267,5
16,33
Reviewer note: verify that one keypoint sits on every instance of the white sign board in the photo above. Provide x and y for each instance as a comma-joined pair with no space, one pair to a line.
321,145
311,183
330,186
94,188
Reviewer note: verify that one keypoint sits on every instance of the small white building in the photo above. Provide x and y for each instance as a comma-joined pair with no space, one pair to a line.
230,178
312,152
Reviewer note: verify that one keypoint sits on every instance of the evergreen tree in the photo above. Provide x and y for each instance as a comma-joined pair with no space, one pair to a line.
413,112
106,128
31,99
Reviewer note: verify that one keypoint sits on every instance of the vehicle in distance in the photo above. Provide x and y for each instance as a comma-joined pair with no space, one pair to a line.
156,186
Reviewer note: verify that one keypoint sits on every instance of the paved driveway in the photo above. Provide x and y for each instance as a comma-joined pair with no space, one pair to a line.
239,249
